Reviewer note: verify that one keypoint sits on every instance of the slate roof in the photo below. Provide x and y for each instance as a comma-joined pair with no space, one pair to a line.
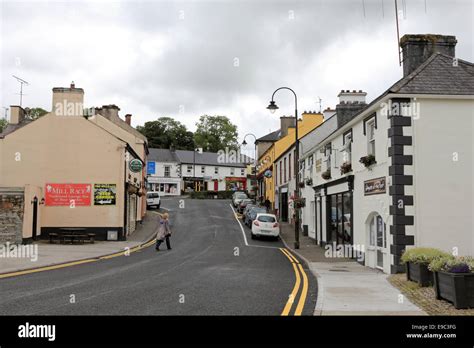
10,128
162,155
270,137
206,158
438,75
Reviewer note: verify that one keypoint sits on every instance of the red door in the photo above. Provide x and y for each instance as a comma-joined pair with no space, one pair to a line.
216,185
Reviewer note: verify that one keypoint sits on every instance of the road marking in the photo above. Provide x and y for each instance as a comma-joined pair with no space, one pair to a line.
47,268
299,308
241,227
294,292
289,255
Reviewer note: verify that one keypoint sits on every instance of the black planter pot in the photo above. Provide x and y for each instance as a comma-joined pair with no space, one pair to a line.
457,288
419,272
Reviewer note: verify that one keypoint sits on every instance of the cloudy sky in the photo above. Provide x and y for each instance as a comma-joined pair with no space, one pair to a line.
188,58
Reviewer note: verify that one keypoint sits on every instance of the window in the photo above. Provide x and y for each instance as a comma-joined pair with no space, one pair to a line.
190,169
276,173
327,152
203,169
167,171
232,171
289,166
281,180
371,137
242,172
216,170
284,169
347,142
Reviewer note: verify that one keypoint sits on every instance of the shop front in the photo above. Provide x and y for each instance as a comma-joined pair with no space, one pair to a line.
165,186
235,183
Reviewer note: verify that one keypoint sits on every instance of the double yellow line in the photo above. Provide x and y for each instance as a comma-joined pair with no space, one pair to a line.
297,268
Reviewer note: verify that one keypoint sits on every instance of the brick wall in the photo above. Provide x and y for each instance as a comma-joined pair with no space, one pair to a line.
12,203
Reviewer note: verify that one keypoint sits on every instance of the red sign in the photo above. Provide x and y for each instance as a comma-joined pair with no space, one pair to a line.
68,194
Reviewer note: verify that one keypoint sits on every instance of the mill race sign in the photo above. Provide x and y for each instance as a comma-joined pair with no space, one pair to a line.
68,194
375,186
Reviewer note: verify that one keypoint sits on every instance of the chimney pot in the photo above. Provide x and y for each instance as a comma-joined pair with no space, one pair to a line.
73,85
17,114
128,119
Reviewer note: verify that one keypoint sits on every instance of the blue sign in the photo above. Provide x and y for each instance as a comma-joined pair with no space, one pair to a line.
150,167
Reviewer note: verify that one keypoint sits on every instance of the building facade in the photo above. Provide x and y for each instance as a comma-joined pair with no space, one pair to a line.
392,177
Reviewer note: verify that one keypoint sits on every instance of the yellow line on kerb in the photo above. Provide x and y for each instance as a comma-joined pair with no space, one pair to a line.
296,265
48,268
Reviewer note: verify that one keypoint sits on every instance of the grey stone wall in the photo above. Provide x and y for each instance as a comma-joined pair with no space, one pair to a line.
12,204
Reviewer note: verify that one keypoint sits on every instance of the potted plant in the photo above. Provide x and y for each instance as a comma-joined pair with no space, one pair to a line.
326,175
368,160
417,260
300,202
454,280
346,167
301,184
309,182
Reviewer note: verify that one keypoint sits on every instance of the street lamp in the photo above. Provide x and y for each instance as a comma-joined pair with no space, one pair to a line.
255,154
273,107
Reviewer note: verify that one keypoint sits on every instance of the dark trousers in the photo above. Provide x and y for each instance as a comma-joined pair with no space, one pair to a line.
168,245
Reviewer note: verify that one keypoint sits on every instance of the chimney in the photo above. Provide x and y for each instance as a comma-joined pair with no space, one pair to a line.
328,113
350,103
17,114
110,112
418,48
128,119
68,101
285,123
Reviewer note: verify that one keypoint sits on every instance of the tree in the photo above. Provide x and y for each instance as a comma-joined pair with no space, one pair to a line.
3,124
215,133
166,132
34,113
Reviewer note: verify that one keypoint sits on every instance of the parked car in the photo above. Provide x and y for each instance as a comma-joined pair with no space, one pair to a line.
153,199
252,214
243,203
237,198
247,208
265,225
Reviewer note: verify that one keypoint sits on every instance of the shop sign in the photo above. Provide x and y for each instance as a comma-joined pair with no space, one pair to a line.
150,168
375,186
68,195
135,165
268,173
105,194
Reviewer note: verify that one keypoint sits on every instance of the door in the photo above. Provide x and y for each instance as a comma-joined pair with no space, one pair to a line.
216,185
378,241
284,207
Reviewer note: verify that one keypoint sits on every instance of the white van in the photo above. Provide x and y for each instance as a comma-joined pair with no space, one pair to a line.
153,199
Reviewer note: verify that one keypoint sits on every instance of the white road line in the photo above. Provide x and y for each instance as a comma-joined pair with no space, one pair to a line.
241,227
245,237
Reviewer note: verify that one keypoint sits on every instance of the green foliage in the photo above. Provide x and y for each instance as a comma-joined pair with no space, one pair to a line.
451,263
34,113
215,133
3,124
166,132
422,255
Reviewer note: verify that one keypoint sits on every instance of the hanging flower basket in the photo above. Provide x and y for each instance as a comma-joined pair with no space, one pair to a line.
368,160
346,167
301,184
309,182
326,175
300,203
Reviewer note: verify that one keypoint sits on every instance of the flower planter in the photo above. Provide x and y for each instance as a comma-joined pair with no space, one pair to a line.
419,272
457,288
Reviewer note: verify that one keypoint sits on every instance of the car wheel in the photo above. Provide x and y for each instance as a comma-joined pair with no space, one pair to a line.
252,235
158,206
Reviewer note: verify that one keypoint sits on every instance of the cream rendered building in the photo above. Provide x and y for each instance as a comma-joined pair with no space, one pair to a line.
85,172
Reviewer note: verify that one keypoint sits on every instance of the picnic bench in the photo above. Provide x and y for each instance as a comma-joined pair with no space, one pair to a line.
71,234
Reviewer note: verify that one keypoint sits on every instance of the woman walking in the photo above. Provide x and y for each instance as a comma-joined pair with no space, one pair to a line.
164,232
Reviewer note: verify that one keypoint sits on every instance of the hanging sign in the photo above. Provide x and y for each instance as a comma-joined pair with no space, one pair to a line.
135,165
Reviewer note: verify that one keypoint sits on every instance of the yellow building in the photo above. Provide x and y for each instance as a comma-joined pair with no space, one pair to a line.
275,144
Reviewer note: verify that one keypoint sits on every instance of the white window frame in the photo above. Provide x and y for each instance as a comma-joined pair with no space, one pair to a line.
232,171
203,169
370,126
167,171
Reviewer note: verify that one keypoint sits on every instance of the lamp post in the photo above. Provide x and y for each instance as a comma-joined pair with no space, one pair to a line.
273,107
255,149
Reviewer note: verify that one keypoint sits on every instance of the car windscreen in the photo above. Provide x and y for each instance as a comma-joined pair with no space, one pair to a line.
153,195
241,196
266,218
258,211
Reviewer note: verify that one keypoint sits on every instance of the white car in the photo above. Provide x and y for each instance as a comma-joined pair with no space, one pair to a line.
265,225
153,199
237,198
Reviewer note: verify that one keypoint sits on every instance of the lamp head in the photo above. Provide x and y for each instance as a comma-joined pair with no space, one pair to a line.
272,107
244,142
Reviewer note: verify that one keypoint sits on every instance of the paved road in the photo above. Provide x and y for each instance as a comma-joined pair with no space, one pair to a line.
209,271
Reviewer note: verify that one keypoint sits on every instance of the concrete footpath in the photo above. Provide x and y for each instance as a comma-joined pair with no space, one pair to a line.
346,287
55,254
